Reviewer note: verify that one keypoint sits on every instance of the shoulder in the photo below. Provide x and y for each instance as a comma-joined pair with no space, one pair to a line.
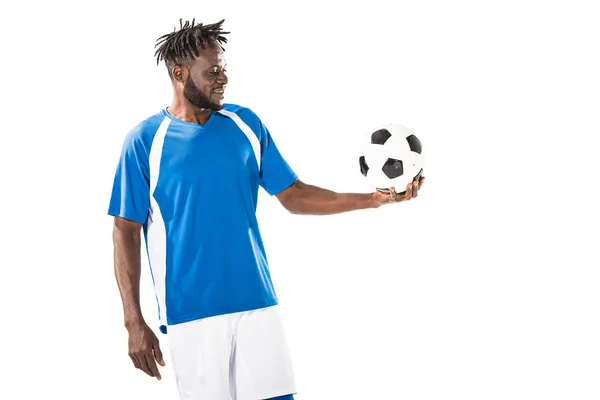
142,134
244,113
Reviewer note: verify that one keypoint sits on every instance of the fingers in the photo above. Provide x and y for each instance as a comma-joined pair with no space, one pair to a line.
144,360
158,354
412,191
152,367
139,361
409,192
136,363
148,365
393,194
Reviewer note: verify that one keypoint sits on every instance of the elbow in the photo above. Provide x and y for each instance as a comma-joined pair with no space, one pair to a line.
294,211
289,205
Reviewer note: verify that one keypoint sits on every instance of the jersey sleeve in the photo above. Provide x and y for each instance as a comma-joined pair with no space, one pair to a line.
130,196
275,173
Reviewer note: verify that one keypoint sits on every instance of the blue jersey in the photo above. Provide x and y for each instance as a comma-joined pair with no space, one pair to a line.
195,188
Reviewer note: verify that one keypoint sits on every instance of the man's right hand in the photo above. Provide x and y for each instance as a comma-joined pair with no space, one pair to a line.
144,349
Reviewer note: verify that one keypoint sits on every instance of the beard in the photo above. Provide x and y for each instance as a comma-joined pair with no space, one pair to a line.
194,95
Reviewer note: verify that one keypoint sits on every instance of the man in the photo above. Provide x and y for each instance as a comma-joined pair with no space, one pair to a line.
188,177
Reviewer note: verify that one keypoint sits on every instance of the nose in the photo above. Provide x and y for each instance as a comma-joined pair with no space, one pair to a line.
222,78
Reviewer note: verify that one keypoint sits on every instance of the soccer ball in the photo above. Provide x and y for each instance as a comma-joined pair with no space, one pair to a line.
391,155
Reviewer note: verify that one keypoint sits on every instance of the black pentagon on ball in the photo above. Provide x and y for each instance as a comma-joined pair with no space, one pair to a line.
414,143
364,168
393,168
380,137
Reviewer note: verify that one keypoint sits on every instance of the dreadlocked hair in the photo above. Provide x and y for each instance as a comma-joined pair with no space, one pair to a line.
183,44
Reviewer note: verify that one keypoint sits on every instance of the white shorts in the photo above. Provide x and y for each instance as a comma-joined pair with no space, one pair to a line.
239,356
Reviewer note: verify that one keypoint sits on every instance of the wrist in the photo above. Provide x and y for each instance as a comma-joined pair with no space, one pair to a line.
371,201
134,322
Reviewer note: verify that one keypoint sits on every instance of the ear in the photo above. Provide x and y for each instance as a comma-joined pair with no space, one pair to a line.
179,73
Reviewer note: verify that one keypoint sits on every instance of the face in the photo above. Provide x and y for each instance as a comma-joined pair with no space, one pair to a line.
204,85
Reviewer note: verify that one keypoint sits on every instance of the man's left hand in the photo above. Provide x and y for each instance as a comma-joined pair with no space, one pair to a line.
412,191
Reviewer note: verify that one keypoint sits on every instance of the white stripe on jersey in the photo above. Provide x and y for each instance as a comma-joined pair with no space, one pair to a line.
247,131
156,236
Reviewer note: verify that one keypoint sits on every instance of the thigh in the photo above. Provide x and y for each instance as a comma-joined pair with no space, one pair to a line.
262,360
201,354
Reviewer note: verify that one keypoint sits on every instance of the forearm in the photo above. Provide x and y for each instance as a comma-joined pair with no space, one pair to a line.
127,265
313,200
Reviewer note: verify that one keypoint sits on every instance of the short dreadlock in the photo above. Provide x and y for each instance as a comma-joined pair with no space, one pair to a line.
181,45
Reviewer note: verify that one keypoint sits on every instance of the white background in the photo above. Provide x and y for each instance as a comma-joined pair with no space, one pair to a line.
484,287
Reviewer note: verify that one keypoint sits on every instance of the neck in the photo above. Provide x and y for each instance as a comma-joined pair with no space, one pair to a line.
185,111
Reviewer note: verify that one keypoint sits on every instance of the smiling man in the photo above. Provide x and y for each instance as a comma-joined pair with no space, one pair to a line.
188,178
